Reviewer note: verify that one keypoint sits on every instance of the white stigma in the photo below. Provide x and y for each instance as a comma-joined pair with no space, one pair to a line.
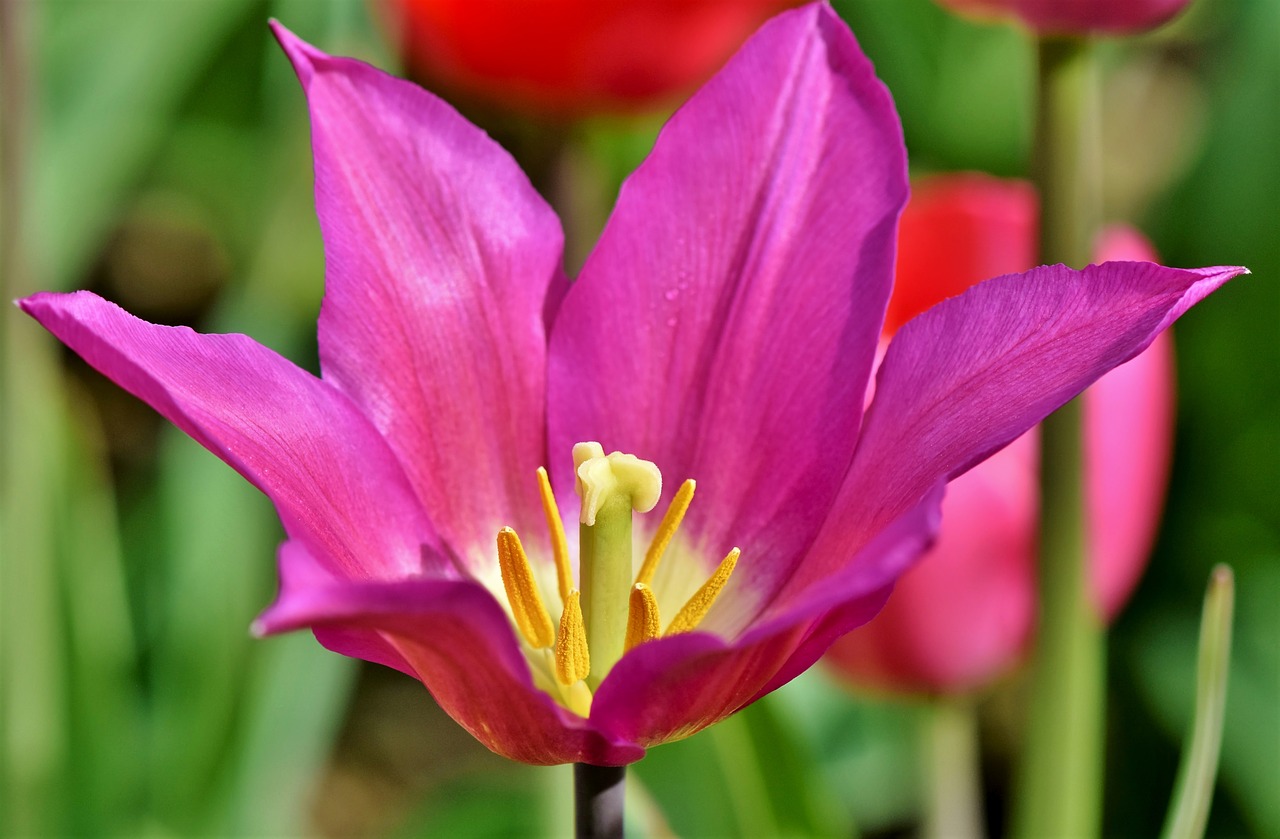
601,477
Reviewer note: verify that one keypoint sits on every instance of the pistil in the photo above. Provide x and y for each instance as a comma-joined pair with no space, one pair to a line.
611,487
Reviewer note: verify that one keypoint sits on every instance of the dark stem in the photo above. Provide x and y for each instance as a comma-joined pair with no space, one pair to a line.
598,793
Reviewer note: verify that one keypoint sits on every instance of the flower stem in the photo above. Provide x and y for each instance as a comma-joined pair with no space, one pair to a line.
953,786
33,680
1062,764
598,793
1193,791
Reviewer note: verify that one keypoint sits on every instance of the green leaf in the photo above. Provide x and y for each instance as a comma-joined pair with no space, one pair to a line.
292,708
101,656
753,774
1193,793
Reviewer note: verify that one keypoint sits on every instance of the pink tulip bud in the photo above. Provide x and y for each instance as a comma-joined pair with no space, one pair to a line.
966,612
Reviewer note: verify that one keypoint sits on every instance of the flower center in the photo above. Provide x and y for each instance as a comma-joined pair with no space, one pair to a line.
609,612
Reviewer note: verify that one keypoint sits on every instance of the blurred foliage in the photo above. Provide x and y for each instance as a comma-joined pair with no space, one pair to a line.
162,159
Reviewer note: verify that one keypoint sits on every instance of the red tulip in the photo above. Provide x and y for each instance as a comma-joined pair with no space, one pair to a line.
966,612
1075,16
574,56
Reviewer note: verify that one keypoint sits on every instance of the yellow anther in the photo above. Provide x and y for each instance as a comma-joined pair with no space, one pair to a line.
559,547
670,522
643,623
573,659
522,592
698,606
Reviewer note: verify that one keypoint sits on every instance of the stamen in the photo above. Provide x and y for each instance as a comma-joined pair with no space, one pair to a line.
698,606
522,592
670,522
643,623
559,546
573,659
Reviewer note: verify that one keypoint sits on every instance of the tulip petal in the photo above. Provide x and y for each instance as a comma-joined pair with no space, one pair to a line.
336,485
300,571
453,636
725,325
971,374
440,257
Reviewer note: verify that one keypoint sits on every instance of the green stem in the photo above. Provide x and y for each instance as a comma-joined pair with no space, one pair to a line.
1062,765
745,783
953,783
33,735
1193,791
598,794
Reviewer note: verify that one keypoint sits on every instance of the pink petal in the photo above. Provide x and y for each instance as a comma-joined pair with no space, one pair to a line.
300,572
334,482
726,323
439,259
457,640
974,372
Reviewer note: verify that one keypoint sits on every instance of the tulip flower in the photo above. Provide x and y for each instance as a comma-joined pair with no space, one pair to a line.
723,331
966,613
573,56
1074,17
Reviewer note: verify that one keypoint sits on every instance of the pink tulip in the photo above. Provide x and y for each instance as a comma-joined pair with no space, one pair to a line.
966,613
724,328
1066,17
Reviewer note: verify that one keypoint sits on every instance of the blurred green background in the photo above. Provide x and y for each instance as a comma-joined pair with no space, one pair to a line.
157,151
